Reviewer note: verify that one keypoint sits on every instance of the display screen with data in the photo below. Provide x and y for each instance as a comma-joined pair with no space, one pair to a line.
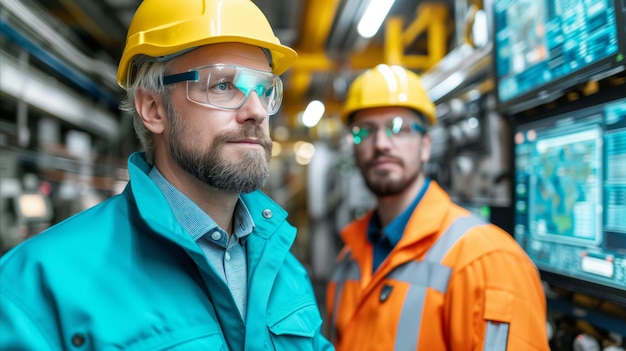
570,194
544,47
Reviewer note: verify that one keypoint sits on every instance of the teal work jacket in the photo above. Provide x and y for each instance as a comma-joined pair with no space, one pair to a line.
124,275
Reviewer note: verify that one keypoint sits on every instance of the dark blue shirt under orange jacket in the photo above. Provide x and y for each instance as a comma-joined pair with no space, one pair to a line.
385,239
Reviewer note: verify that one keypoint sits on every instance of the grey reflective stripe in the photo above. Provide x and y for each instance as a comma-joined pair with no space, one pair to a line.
456,230
496,336
421,275
347,269
410,319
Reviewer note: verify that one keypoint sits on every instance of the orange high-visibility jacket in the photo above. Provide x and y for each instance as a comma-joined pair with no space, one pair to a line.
453,282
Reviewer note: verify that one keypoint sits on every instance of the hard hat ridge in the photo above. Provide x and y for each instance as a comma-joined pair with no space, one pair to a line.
161,28
386,85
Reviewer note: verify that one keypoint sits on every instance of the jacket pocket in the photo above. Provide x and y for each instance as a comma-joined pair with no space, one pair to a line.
499,305
498,316
206,342
295,329
183,340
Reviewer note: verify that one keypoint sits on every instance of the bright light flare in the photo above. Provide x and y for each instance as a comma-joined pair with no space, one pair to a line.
373,17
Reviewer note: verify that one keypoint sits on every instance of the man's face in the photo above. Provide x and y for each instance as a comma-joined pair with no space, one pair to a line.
390,161
227,149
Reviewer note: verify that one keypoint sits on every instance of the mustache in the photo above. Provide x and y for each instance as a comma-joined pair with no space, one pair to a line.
378,155
248,132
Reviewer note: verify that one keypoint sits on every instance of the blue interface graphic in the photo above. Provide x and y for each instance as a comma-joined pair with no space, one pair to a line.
538,42
570,193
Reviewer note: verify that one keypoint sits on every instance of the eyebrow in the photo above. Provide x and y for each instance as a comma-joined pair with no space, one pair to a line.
404,120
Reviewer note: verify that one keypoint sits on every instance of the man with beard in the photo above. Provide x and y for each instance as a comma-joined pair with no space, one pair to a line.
419,272
191,256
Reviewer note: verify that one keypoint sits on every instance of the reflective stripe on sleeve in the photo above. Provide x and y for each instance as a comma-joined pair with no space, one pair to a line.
347,269
496,336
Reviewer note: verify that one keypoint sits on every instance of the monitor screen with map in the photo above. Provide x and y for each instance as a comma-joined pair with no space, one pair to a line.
543,48
570,197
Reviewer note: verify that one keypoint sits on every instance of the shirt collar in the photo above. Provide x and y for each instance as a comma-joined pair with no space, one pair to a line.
192,218
395,229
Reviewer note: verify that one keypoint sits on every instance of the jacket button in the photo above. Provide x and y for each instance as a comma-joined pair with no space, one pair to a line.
267,213
78,340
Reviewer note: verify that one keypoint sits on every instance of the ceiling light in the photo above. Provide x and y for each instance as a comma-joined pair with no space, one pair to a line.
313,113
373,17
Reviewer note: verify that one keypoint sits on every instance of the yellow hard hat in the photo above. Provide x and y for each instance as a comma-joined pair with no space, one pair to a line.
384,86
166,27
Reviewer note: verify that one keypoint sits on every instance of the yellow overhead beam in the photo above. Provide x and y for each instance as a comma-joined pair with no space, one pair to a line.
298,82
368,58
316,24
314,32
418,26
314,61
430,18
300,74
437,32
394,48
417,62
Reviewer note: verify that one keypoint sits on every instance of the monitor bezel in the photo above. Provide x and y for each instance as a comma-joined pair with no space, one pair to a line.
549,92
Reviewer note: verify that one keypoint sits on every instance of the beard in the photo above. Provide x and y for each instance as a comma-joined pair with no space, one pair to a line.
381,184
210,166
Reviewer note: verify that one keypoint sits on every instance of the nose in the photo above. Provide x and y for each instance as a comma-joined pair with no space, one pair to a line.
252,110
382,139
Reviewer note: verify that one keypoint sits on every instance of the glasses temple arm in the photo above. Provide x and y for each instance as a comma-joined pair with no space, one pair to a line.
181,77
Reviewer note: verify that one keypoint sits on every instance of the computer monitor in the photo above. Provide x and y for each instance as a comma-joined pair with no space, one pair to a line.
570,196
544,48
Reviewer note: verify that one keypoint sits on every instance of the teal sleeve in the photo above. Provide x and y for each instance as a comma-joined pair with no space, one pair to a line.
321,343
18,330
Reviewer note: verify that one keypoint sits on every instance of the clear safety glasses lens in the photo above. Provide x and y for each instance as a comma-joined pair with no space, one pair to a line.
396,128
228,86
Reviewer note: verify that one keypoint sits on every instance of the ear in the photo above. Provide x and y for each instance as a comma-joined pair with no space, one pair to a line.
426,147
151,110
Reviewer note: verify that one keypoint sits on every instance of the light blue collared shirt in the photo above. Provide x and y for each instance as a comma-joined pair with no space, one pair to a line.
228,257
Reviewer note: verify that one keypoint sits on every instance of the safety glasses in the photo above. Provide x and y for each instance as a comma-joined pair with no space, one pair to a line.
396,128
228,86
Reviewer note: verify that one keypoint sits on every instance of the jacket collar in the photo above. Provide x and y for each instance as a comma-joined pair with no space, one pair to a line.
156,212
425,220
